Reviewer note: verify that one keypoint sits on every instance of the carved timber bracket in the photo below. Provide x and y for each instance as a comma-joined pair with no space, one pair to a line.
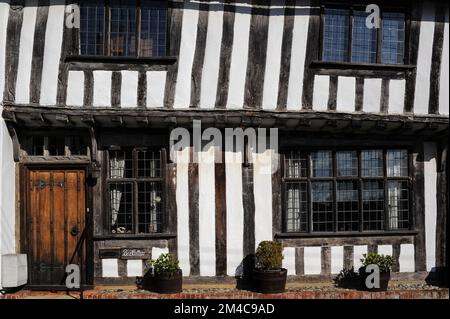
15,140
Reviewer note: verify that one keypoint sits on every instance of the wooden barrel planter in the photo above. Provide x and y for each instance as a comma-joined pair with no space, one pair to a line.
269,281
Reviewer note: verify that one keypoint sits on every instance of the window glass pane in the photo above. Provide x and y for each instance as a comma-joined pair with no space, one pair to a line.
92,17
153,28
373,205
77,145
347,163
393,27
398,196
296,207
38,145
364,40
121,207
56,145
295,165
335,35
347,208
149,207
123,28
372,163
397,163
149,163
322,206
322,165
120,164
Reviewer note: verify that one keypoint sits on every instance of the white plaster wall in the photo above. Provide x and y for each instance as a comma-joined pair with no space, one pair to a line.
75,88
289,260
6,166
312,261
134,268
26,52
346,92
337,259
110,267
273,58
207,212
406,258
358,252
321,92
235,213
298,53
239,56
52,52
156,81
186,58
182,199
372,95
396,96
422,92
430,200
102,88
129,88
385,250
211,65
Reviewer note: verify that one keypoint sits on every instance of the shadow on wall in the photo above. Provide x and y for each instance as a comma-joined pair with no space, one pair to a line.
438,276
244,271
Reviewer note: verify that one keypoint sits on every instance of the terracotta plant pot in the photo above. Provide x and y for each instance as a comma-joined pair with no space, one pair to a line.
269,281
384,280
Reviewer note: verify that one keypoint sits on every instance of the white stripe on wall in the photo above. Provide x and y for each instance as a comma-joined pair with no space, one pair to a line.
406,258
358,252
206,206
337,259
346,91
262,189
273,58
102,88
312,260
385,250
134,268
4,12
158,251
443,82
129,88
321,92
52,52
289,260
110,267
235,213
239,56
186,57
210,72
26,52
372,95
156,81
422,92
182,199
396,96
298,53
430,201
75,88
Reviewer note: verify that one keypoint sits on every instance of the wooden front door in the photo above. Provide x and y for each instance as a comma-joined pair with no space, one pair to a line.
55,222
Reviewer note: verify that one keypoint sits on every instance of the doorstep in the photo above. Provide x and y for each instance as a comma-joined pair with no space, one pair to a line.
294,290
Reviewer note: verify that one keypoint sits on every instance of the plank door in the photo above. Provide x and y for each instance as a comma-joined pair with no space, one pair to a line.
56,220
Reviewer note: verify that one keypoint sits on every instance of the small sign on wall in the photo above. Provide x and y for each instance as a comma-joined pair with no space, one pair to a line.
134,253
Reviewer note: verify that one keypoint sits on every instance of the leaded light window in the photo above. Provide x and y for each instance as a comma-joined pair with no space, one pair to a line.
346,190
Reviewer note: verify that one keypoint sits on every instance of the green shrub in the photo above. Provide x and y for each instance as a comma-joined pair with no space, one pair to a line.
165,264
347,278
269,255
384,262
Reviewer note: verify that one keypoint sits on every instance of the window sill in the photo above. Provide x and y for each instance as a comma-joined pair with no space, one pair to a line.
135,237
347,234
166,60
362,66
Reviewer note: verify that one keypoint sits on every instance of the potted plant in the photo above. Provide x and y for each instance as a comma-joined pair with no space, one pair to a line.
268,275
384,264
165,277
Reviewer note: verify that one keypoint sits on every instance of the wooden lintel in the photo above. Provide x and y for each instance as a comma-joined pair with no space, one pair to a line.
89,119
117,119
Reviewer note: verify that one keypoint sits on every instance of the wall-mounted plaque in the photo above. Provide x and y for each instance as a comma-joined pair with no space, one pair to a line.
134,253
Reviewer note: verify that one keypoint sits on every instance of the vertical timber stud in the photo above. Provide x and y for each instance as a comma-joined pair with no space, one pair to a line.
442,204
299,261
221,216
419,206
171,187
348,257
248,199
194,245
325,261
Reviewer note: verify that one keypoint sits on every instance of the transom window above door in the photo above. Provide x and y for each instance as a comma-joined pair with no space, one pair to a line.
128,28
345,37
